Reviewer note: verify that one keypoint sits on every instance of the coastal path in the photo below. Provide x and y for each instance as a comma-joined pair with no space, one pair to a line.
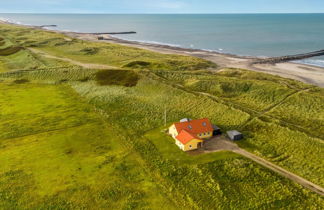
218,144
78,63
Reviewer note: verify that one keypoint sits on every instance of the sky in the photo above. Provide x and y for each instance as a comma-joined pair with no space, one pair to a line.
162,6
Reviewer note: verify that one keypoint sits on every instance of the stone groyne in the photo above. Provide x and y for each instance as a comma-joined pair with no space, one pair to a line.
282,59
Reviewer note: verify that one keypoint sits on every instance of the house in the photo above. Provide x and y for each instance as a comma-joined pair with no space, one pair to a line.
189,134
235,135
187,141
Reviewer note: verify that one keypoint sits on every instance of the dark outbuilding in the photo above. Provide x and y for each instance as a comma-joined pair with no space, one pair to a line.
217,130
235,135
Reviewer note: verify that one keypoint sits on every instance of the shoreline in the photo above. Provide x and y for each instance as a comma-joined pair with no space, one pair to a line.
302,72
306,73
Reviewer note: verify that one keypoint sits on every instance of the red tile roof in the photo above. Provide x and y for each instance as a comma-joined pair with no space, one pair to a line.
184,137
195,127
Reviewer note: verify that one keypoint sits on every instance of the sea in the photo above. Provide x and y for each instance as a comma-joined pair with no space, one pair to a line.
261,35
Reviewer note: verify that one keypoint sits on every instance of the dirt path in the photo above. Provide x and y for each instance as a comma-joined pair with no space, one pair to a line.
222,144
307,184
84,65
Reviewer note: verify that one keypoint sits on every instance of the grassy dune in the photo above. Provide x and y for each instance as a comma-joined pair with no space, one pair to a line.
75,138
58,153
100,53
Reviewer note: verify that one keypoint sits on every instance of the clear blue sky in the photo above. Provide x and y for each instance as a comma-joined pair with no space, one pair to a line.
162,6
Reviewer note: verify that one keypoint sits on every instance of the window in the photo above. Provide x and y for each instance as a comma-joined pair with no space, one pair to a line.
204,124
190,127
190,146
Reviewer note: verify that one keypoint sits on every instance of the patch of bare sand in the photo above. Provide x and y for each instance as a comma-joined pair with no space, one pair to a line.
307,74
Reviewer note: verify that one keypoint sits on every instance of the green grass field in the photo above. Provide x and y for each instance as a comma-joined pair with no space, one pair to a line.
75,138
58,153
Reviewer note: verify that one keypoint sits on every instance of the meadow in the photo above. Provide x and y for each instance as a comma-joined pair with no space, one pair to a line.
80,160
58,153
76,138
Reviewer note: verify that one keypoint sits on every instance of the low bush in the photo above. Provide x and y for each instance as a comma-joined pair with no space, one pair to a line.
117,77
90,50
10,50
137,64
21,81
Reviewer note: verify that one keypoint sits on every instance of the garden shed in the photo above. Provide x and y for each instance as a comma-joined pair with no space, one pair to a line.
235,135
217,130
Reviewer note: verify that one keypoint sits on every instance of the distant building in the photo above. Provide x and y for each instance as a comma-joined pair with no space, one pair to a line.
189,134
235,135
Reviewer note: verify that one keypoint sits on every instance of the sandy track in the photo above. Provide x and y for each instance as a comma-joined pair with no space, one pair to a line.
218,144
307,184
78,63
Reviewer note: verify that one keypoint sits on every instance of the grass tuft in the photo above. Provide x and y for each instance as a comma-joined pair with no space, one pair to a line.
21,81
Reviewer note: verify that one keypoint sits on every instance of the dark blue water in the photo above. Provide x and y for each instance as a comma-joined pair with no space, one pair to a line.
248,34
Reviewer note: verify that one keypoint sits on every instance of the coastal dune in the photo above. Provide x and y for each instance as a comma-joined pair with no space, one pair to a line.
305,73
302,72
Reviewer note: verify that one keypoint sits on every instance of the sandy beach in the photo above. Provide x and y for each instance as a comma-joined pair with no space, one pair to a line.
305,73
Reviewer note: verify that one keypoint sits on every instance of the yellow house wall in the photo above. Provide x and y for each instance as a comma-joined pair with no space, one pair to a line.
173,131
206,135
193,143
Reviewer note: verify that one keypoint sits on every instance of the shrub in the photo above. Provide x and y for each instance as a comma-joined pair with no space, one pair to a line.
10,50
117,77
137,64
21,81
90,50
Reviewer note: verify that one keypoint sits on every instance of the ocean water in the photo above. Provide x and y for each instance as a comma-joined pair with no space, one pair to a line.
240,34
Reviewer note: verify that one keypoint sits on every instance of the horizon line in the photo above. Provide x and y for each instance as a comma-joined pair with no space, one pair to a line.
230,13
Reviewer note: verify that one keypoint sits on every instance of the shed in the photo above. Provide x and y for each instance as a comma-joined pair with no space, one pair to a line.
235,135
217,130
